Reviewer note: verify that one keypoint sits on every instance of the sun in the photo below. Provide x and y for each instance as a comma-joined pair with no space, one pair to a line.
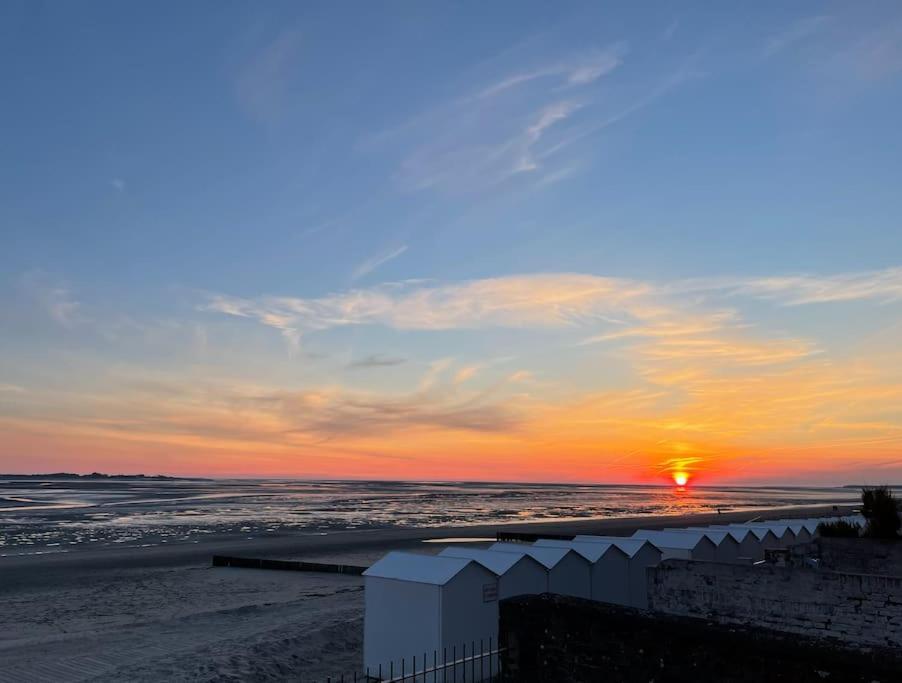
680,478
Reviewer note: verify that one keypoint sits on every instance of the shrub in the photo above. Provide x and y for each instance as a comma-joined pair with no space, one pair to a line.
881,510
839,529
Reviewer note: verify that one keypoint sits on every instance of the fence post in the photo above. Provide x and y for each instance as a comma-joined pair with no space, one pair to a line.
481,656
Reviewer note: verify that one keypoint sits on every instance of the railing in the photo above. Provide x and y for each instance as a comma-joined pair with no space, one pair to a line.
482,664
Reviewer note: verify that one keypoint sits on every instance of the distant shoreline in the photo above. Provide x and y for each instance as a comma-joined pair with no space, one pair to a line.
102,476
29,569
99,476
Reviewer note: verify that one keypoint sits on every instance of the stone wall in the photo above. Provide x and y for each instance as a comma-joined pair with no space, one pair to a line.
552,638
856,555
858,609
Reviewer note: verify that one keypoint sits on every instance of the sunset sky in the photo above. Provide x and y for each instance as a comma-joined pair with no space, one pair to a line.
503,241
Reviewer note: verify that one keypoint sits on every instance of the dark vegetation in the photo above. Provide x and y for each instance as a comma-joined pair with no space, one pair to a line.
839,529
881,510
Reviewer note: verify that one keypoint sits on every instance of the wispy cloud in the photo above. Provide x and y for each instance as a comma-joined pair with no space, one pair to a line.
11,389
796,33
545,300
492,133
435,372
376,361
376,261
582,70
878,285
872,57
117,184
52,296
644,309
263,83
466,373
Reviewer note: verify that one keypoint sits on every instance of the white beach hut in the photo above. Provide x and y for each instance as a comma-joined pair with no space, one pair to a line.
517,574
643,554
749,546
782,533
810,525
419,604
680,545
610,568
728,548
766,537
800,530
782,530
568,571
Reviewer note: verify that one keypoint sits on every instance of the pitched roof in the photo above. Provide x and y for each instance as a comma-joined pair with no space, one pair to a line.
717,536
779,528
431,569
591,551
666,539
497,562
758,531
549,557
775,530
630,546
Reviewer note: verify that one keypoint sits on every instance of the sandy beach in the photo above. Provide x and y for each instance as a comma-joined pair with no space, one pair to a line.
163,613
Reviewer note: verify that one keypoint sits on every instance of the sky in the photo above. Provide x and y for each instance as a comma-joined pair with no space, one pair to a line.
595,242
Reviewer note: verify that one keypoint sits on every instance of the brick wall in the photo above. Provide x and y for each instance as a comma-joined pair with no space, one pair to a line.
858,609
556,638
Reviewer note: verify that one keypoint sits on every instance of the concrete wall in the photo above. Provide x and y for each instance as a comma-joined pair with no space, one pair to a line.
856,608
556,638
856,555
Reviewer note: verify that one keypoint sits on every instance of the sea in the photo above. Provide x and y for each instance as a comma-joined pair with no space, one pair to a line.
43,516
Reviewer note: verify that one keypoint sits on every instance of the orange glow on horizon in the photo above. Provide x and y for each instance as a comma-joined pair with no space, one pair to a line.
680,478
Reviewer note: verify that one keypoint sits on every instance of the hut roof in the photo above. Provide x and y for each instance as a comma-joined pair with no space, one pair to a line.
431,569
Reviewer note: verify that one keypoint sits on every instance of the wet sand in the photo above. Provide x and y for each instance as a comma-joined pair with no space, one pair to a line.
163,613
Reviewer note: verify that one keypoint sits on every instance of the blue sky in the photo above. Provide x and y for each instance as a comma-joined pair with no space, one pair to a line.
352,199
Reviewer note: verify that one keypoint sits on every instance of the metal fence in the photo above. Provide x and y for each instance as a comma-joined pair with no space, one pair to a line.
476,662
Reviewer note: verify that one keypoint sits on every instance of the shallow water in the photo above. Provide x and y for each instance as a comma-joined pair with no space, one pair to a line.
51,516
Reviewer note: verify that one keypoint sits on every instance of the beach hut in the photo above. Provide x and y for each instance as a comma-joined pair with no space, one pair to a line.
610,568
749,546
569,573
799,529
679,545
767,539
810,525
642,554
728,548
782,533
782,530
419,604
517,574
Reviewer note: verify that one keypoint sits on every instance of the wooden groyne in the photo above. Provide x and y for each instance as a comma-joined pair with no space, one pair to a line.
521,537
287,565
